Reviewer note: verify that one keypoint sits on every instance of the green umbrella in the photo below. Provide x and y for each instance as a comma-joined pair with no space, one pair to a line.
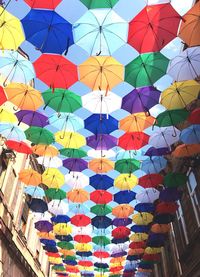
171,117
65,245
146,69
101,240
97,4
173,179
127,165
39,135
102,269
58,268
62,100
101,210
57,194
69,258
73,153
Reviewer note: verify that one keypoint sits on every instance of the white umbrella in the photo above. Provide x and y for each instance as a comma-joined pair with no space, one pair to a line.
58,207
77,180
101,153
100,101
42,216
185,66
165,137
54,162
148,195
87,230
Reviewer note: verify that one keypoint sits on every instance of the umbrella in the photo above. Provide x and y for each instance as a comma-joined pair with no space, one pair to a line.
30,177
60,219
44,226
3,96
77,180
141,99
140,228
160,228
19,146
186,150
101,73
133,140
82,238
95,4
62,229
83,247
101,196
145,207
101,209
85,263
124,196
171,117
146,69
78,195
148,195
99,181
136,122
35,192
38,4
11,33
101,240
80,220
11,132
163,219
55,71
121,221
100,32
190,23
101,165
101,141
32,118
101,124
122,211
125,181
62,100
120,232
164,137
142,218
101,254
66,121
150,180
101,222
138,237
74,164
50,161
194,117
7,117
53,178
166,208
39,135
55,194
180,94
152,151
127,166
101,102
191,135
45,150
38,205
153,28
153,164
73,153
47,31
15,67
175,179
70,139
170,195
58,207
97,154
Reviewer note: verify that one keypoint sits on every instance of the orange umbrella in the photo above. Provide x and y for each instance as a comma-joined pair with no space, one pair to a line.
136,122
101,165
122,211
101,72
44,235
161,228
67,252
190,26
117,260
144,270
30,177
186,150
78,195
138,251
45,150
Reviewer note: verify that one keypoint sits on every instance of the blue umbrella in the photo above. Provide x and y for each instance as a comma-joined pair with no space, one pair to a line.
145,207
140,229
99,181
101,124
163,218
48,31
12,132
191,134
130,154
70,262
84,254
33,191
133,257
116,241
48,242
64,238
50,249
124,196
66,121
153,164
60,219
101,222
38,206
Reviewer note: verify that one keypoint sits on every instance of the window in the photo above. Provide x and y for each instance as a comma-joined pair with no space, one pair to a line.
181,223
192,189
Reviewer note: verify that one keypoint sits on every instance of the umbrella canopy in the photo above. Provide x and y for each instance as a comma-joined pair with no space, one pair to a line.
38,4
3,96
62,229
74,164
19,146
45,150
133,140
121,232
121,221
73,153
82,238
101,124
100,32
171,117
138,237
122,211
39,135
38,205
148,195
95,4
100,181
101,165
11,33
160,228
101,141
47,31
53,178
76,180
97,154
142,218
60,219
30,177
101,209
66,121
80,220
180,94
32,118
175,179
70,139
150,180
127,166
140,228
50,161
58,207
194,117
186,150
146,69
101,222
101,72
166,207
191,135
170,195
136,122
7,117
101,240
78,195
164,137
55,194
101,196
55,71
153,164
35,192
144,207
124,197
44,226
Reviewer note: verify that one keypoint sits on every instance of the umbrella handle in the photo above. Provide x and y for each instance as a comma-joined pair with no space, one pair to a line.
98,54
16,109
175,134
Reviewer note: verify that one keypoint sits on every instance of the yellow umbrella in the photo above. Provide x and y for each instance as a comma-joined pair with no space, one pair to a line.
142,218
53,178
6,116
101,72
11,32
70,139
136,122
126,181
83,247
180,94
54,260
45,150
138,237
86,268
122,210
153,250
101,165
62,229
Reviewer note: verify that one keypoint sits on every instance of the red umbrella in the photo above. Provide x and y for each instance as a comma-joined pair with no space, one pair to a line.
166,208
101,196
82,238
151,257
19,146
151,180
153,28
3,97
50,254
136,245
43,4
121,232
133,140
85,263
116,268
194,117
56,71
80,220
101,254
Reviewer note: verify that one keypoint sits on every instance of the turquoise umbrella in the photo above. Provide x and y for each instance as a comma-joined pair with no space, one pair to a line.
11,132
66,121
35,192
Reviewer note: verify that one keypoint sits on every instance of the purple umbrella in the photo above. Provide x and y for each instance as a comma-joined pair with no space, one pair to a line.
141,99
75,164
170,195
32,118
121,221
101,142
44,226
119,254
152,151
